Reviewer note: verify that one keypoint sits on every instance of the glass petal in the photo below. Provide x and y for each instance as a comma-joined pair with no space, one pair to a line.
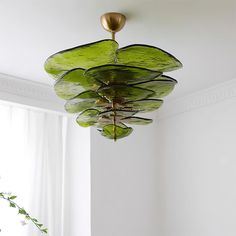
85,56
118,113
88,118
77,104
149,57
120,74
69,86
103,121
115,132
89,95
145,105
124,92
76,76
136,121
165,77
161,87
107,117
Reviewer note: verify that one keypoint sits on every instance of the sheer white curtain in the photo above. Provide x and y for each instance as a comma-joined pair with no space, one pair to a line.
31,167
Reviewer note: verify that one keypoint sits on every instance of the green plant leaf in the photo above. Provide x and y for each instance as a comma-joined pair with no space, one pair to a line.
22,211
85,56
148,57
120,74
45,231
13,197
115,132
117,92
8,197
12,205
136,121
145,105
88,118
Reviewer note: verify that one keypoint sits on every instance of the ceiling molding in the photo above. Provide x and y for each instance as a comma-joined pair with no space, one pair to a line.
198,99
37,95
17,90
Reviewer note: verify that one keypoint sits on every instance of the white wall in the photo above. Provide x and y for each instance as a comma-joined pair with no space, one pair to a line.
125,179
198,162
77,181
176,177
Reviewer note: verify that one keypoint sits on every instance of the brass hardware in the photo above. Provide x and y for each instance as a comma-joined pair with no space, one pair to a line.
113,22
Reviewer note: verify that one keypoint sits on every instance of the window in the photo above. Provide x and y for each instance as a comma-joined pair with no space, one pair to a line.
31,167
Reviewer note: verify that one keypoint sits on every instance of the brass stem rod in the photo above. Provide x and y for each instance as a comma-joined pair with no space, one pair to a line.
114,118
113,35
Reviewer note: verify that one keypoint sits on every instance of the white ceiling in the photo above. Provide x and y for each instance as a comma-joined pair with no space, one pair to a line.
201,34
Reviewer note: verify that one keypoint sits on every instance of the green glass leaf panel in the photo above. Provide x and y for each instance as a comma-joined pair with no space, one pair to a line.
148,57
120,74
88,95
145,105
69,86
77,104
118,113
136,121
161,87
103,121
76,77
85,56
124,92
165,77
85,100
115,132
88,118
111,117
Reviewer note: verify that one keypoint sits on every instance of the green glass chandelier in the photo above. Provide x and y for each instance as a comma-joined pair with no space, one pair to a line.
108,86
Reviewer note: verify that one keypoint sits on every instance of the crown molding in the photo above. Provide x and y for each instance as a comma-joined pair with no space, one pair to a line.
206,97
28,93
41,96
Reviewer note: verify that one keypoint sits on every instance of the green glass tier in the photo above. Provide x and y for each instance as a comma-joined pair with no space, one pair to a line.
136,121
85,56
115,131
88,118
145,105
160,87
124,92
69,85
120,74
147,57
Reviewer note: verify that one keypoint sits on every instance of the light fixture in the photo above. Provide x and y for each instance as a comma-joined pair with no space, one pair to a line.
108,85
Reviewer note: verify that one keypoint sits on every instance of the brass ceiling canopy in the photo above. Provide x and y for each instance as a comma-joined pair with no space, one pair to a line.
107,86
113,22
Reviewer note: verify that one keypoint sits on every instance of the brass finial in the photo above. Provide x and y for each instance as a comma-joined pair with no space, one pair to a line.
113,22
